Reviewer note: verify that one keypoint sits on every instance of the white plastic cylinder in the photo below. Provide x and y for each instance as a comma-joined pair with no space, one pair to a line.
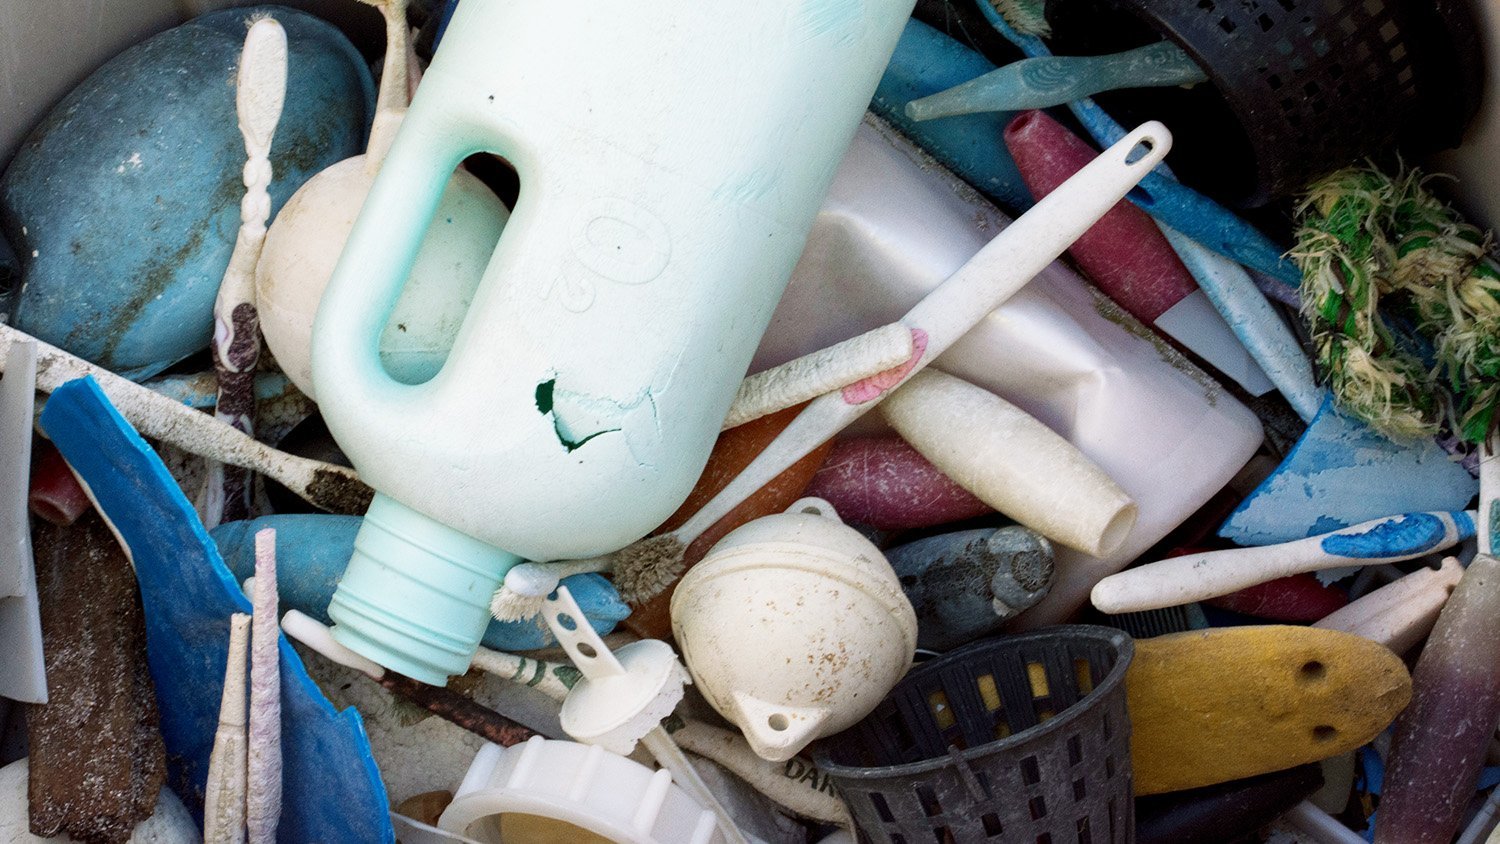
1011,461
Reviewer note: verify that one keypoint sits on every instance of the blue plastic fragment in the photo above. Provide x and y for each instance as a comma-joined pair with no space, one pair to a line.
313,549
1342,473
925,62
332,790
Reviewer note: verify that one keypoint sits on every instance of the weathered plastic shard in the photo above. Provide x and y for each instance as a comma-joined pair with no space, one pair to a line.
95,769
188,595
1342,473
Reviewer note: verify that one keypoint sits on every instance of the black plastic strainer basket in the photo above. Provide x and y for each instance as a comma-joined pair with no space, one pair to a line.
1296,88
1017,739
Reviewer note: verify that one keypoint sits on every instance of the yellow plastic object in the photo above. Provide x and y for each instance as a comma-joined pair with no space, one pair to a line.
1216,705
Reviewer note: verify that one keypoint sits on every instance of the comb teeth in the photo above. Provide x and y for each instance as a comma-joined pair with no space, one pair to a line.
1148,624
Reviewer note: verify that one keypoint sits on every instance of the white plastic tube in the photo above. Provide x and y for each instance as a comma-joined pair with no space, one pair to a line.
1011,461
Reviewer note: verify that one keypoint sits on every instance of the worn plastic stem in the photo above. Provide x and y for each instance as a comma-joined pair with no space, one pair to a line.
224,795
236,342
333,488
263,804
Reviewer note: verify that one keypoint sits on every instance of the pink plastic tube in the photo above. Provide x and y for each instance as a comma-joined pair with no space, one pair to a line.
1125,254
56,495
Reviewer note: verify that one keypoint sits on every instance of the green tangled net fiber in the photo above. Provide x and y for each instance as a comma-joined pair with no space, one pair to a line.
1387,269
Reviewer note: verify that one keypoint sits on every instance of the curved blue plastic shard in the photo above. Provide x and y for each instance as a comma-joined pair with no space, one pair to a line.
332,789
1342,473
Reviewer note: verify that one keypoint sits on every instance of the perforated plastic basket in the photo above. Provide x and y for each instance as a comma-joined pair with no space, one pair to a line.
1297,87
1017,739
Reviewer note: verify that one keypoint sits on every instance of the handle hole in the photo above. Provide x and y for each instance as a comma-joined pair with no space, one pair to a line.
778,722
566,622
419,331
587,650
1140,150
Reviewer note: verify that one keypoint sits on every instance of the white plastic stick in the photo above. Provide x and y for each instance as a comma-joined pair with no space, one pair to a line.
1011,461
224,794
395,81
1198,577
263,803
546,677
823,371
1399,614
1005,264
334,488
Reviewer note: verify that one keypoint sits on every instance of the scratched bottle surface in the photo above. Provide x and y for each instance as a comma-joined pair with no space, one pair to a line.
672,155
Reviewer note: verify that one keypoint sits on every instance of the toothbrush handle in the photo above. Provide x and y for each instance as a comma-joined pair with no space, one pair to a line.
1197,577
1006,264
1014,257
1047,81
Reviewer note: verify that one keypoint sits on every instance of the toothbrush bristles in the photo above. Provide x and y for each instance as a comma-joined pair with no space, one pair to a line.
645,569
1027,17
510,605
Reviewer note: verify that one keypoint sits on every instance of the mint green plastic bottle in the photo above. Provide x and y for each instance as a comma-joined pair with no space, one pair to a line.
672,156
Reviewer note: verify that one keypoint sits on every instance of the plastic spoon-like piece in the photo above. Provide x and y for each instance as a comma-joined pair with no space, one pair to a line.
236,344
628,703
993,275
1198,577
1046,81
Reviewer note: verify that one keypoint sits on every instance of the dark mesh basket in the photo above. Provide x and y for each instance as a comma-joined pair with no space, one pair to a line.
1017,739
1297,88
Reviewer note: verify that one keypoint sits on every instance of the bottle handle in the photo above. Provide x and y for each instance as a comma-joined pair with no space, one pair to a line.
379,255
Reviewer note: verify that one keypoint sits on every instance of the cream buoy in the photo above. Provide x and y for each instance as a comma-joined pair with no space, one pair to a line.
304,243
794,627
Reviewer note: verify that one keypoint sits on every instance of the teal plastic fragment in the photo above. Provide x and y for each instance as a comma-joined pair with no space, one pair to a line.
331,789
314,548
925,62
